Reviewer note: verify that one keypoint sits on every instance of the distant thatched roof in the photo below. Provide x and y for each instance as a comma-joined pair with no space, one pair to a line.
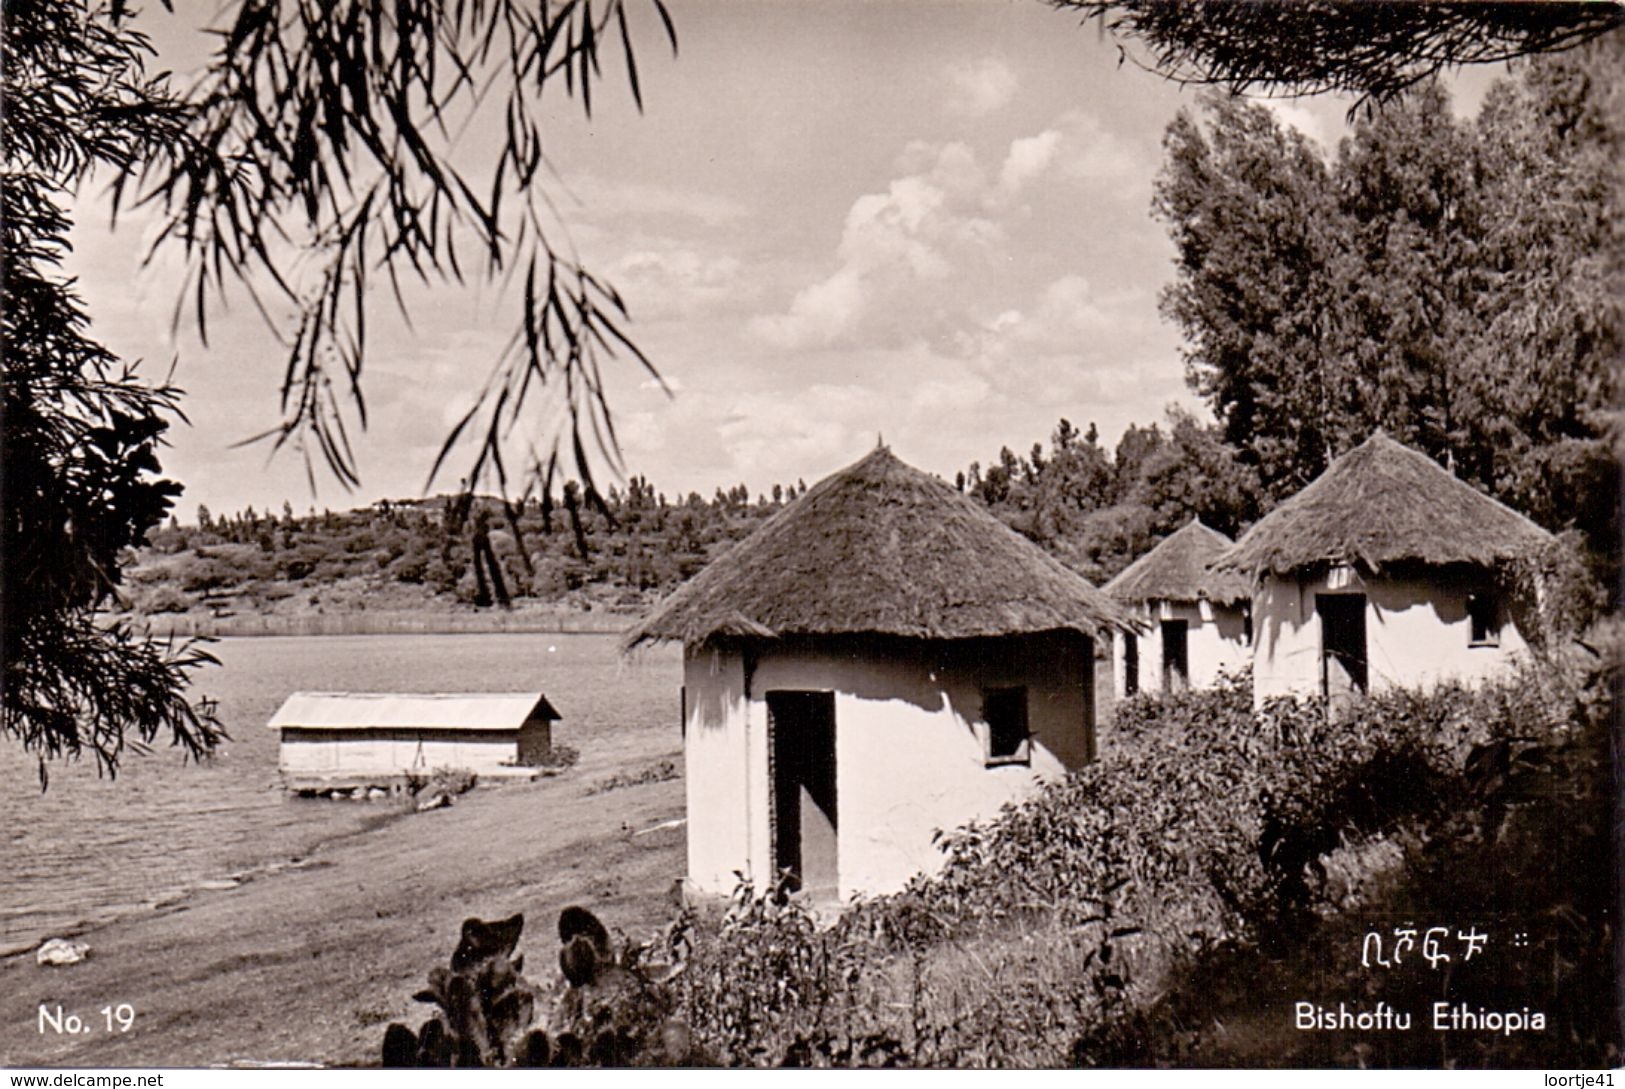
881,548
1177,570
1380,504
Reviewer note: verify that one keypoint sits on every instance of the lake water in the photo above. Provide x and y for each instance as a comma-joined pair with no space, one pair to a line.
89,850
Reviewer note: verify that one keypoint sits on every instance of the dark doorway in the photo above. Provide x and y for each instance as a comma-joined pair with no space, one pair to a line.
1131,664
1176,656
1342,645
801,728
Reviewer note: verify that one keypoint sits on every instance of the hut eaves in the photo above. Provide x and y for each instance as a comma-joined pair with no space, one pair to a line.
1178,569
1382,504
881,548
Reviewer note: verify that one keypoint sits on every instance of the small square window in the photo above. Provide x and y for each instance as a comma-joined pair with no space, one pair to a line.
1485,623
1005,710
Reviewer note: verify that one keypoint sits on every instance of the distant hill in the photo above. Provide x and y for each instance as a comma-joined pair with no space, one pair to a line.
1094,509
617,552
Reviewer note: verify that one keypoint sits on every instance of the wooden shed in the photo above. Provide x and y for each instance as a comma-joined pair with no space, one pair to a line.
365,735
880,660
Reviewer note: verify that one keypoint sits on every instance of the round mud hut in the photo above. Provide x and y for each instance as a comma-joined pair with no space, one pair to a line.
1196,622
882,659
1385,572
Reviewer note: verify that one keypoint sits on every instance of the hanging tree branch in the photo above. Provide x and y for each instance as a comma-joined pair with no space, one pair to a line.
327,153
1373,49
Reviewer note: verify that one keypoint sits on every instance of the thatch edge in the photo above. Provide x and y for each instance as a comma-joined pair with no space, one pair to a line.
1258,555
1098,613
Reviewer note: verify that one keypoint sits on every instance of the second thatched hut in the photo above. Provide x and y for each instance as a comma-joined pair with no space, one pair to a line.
881,660
1197,623
1386,571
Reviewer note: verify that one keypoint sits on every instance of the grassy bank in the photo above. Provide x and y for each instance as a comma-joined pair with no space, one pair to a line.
305,962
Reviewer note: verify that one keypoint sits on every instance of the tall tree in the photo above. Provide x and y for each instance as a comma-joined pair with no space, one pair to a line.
1541,377
81,430
1454,283
1262,262
1407,188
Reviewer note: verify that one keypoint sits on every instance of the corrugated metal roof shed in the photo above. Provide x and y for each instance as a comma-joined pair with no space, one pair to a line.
415,710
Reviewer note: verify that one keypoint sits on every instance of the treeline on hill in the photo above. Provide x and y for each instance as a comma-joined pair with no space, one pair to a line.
627,544
1098,511
1093,509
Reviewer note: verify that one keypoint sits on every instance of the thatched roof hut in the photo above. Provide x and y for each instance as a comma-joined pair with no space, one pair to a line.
1379,505
1178,570
881,548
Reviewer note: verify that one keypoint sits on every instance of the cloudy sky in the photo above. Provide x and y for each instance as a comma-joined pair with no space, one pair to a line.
923,219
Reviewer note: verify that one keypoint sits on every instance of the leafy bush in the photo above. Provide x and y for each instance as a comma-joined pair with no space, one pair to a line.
1531,816
659,772
559,757
166,598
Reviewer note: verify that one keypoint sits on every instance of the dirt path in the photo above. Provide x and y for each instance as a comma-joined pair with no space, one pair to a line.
310,964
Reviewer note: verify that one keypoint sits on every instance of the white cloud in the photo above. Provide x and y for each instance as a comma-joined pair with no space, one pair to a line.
919,231
914,258
1068,311
1029,157
1089,151
1294,116
668,280
949,241
819,314
981,88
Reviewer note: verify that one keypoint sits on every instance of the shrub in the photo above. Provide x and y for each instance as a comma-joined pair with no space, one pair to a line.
658,772
166,599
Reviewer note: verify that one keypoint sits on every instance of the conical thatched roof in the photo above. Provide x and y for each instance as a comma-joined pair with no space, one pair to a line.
881,548
1177,570
1379,504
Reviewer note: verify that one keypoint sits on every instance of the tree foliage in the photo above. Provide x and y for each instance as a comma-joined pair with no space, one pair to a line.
1099,512
1373,51
81,429
1453,282
318,151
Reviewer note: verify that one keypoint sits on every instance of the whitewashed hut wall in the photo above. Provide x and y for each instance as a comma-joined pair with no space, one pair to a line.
718,771
1417,633
911,749
1215,641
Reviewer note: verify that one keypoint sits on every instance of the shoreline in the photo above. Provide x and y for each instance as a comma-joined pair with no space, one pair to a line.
306,959
176,898
405,622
